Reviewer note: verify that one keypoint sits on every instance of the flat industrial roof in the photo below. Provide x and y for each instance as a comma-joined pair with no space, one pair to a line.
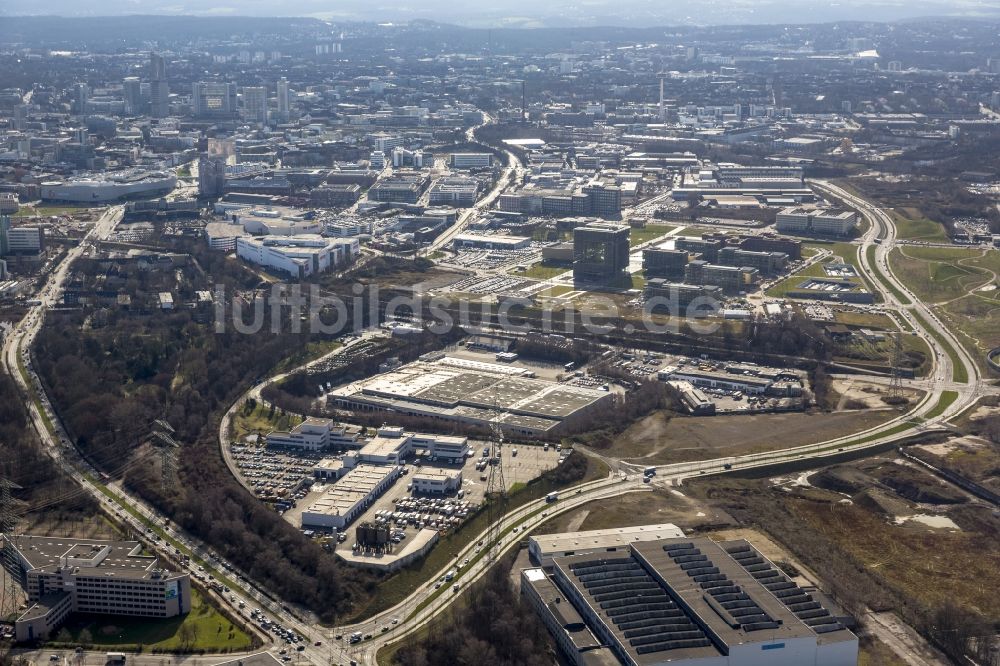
681,561
89,556
438,474
482,386
352,488
677,635
599,539
383,446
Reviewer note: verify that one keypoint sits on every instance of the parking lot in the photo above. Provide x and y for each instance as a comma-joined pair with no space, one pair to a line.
444,512
275,475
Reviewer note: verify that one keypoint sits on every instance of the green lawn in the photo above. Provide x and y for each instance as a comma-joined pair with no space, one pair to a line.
638,235
46,211
865,319
203,628
542,271
792,282
916,352
912,225
260,420
937,274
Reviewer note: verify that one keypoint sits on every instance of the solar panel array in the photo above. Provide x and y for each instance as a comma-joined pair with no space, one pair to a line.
797,600
726,597
641,609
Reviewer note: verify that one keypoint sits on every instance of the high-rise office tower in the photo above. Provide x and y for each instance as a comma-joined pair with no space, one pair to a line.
157,67
255,104
284,102
159,89
4,235
132,95
213,100
211,176
20,116
82,98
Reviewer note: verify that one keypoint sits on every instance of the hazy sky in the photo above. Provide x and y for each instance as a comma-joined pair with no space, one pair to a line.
528,13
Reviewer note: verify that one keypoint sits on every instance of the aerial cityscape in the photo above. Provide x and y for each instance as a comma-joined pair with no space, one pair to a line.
419,335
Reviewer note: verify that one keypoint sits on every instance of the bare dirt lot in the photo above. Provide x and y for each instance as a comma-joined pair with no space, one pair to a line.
661,440
659,506
856,541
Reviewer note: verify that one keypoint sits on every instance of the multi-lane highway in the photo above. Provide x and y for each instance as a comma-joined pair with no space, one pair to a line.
953,369
512,173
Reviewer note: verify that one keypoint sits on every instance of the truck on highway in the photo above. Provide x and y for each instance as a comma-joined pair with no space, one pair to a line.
115,658
649,471
552,497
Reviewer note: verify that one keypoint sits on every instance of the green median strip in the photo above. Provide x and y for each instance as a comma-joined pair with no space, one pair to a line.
33,394
944,402
958,372
900,296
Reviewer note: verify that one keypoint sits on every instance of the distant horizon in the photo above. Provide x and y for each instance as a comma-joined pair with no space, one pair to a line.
523,14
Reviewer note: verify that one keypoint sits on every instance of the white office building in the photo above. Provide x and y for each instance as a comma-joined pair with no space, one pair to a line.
25,240
312,434
299,256
471,160
437,482
819,221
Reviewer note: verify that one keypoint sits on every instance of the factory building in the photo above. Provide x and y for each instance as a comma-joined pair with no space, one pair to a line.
558,253
685,601
64,575
708,248
770,243
20,240
711,379
603,199
469,392
222,236
542,548
600,252
348,498
346,194
683,295
693,400
102,187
